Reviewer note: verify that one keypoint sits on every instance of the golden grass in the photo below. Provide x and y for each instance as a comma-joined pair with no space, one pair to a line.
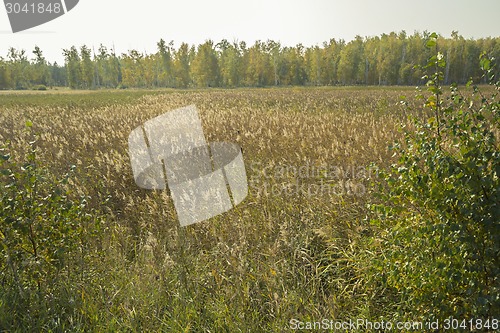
275,257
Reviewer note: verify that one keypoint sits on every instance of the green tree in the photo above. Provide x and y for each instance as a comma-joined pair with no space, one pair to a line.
205,66
182,63
73,69
102,66
58,75
258,69
351,68
296,70
389,59
151,71
19,68
5,82
275,54
133,70
390,54
332,51
165,64
114,73
108,71
371,68
87,68
442,212
40,73
230,63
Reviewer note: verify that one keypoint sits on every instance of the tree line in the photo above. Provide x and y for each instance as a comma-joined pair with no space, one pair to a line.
388,59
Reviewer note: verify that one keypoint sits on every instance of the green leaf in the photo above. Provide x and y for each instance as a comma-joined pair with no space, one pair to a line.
431,43
29,123
485,64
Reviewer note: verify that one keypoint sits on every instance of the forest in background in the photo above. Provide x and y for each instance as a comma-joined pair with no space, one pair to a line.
389,59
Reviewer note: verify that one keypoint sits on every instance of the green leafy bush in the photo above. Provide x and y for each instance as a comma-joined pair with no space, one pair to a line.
42,242
441,247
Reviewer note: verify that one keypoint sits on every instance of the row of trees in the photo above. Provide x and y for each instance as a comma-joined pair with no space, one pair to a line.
389,59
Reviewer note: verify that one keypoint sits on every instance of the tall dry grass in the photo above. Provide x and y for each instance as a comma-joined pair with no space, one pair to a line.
292,249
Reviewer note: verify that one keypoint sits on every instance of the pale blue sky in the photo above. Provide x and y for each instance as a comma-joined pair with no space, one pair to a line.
140,24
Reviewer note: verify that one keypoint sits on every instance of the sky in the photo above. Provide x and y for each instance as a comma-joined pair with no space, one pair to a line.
127,24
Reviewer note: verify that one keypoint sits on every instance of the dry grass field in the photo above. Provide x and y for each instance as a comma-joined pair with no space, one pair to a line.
298,247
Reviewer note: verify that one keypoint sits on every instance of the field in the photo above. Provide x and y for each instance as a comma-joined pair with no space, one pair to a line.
300,246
